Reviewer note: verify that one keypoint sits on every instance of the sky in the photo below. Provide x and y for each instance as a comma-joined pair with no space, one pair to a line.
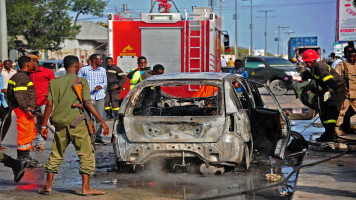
304,17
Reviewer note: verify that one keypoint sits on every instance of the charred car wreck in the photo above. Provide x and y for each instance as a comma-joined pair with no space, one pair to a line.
219,122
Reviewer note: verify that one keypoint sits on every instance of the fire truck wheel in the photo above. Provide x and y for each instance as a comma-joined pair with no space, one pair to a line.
278,87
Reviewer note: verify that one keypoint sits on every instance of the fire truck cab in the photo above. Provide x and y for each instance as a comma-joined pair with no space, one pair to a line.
189,43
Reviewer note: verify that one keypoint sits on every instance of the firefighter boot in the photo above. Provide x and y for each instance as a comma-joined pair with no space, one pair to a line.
108,114
25,155
18,167
328,135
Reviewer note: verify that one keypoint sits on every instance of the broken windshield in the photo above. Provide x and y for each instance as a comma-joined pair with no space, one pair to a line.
178,100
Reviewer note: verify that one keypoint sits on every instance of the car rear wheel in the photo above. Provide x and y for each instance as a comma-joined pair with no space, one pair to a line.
278,87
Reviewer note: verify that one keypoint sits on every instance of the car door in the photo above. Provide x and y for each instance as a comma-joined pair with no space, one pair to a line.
270,128
256,69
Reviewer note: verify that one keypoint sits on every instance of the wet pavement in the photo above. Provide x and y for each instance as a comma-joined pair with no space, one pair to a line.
152,183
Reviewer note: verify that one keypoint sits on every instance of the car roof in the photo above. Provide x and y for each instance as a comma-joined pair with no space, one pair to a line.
192,76
263,57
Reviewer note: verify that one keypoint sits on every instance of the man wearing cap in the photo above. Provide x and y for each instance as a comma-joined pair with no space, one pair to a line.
7,73
40,77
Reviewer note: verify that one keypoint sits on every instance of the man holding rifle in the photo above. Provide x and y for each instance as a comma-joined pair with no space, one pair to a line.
63,97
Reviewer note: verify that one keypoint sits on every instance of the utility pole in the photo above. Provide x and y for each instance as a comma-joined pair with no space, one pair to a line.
251,25
236,43
279,31
152,3
266,11
288,32
3,31
221,15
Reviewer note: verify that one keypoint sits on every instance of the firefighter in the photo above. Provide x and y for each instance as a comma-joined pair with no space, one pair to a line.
136,75
347,69
116,79
22,97
333,90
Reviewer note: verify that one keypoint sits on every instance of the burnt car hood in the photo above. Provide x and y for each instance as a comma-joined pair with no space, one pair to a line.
174,129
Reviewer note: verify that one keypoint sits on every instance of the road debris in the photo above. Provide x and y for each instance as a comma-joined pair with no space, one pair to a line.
273,177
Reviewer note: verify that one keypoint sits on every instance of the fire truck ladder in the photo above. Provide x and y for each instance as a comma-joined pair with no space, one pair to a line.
198,28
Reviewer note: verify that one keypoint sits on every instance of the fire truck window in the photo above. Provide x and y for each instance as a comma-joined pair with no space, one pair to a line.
175,101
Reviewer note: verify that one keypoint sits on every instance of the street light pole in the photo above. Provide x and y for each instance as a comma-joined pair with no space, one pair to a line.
236,42
288,32
3,31
251,25
266,11
279,31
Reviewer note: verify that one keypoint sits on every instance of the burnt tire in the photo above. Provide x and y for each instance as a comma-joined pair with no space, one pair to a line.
246,160
278,87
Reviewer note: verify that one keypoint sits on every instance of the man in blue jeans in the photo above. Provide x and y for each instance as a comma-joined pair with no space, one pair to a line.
96,77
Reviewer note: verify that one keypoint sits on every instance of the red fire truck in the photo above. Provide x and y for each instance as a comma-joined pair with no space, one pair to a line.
189,43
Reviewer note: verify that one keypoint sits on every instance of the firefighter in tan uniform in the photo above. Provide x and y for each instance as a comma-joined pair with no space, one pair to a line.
347,69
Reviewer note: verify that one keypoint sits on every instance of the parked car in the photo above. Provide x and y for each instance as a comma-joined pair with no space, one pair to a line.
211,126
54,65
278,73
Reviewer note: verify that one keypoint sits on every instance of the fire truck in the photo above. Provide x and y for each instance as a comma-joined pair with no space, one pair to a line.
189,43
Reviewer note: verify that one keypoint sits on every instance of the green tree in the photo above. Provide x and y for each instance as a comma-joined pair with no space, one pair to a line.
44,24
94,7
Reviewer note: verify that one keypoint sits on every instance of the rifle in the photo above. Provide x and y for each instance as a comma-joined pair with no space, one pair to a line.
78,89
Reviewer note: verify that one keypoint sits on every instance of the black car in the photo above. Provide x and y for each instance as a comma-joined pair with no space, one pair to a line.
276,72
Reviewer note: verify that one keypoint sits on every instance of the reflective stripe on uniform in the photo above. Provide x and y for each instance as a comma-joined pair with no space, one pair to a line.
24,147
330,121
12,82
107,108
327,77
29,84
121,74
315,76
20,88
118,108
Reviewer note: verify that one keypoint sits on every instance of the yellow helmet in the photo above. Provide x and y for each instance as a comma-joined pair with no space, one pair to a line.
294,60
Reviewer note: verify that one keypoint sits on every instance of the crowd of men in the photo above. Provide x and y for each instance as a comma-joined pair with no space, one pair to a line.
42,102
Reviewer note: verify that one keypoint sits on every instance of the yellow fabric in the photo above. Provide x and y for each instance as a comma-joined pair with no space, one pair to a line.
330,121
107,108
20,88
135,79
315,76
12,82
29,84
118,108
327,77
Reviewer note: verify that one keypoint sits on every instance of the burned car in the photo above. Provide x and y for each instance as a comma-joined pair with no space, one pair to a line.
210,119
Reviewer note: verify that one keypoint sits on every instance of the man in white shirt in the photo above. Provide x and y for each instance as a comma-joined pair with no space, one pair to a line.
7,73
223,62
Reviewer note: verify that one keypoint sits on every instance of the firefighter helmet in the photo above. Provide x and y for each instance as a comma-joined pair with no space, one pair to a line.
310,55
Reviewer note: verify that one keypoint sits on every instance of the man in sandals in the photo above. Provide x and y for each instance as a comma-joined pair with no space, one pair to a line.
61,96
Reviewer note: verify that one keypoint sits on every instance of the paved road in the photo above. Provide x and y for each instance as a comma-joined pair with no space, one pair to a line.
149,184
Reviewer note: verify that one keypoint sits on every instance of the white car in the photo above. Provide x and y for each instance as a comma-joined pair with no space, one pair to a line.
198,118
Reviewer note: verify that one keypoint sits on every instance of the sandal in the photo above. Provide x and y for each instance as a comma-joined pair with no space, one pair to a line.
44,192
